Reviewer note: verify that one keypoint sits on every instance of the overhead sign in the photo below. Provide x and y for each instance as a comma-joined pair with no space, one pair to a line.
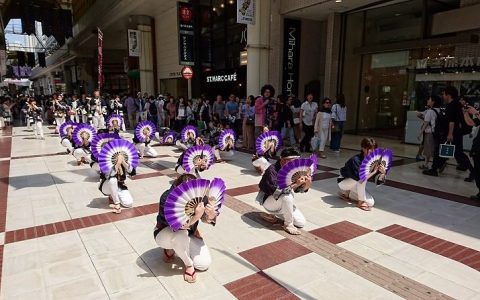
134,43
186,34
246,12
291,56
187,72
100,58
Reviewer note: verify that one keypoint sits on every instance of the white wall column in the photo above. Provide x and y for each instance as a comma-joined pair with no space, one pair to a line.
258,49
332,48
146,60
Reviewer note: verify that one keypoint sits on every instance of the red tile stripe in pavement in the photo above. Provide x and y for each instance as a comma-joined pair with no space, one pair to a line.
78,223
462,254
4,182
275,253
432,192
340,232
5,147
258,286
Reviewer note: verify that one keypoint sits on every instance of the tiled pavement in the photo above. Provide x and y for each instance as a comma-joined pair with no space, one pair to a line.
60,241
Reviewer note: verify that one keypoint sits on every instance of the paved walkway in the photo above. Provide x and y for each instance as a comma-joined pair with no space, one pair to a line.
59,239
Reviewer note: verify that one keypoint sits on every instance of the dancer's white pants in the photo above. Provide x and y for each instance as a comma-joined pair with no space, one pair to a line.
356,190
191,250
146,150
80,153
261,163
67,144
98,122
119,196
59,122
38,130
285,209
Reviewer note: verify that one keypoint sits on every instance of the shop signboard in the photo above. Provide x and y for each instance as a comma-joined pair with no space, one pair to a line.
291,56
186,34
133,43
100,57
231,77
448,62
246,12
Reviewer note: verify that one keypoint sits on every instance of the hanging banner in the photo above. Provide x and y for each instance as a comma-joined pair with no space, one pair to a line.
134,43
100,58
186,34
246,12
291,56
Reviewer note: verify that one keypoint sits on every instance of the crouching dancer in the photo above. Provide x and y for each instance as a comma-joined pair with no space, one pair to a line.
280,202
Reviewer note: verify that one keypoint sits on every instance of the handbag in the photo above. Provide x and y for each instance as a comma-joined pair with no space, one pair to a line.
250,120
315,143
447,150
335,128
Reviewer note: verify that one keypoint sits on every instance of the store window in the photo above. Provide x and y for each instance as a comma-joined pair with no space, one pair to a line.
382,86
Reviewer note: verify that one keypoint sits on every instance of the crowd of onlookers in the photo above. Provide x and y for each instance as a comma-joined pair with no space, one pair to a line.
309,124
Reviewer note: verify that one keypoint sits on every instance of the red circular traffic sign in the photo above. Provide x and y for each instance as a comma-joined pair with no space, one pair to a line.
187,72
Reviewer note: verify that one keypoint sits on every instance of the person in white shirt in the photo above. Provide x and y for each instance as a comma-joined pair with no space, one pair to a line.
160,112
428,128
308,112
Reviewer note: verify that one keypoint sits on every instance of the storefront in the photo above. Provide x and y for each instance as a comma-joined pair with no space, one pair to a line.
219,42
392,63
224,82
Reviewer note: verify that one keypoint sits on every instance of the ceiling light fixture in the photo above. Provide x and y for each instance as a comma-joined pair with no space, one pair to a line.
221,5
338,1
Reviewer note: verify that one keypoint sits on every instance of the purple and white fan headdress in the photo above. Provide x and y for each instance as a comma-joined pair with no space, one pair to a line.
263,141
189,132
117,118
107,158
100,140
227,136
142,129
194,154
85,130
169,137
293,170
183,199
377,156
63,128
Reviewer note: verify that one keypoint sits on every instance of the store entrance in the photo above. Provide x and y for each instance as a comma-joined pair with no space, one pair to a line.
384,97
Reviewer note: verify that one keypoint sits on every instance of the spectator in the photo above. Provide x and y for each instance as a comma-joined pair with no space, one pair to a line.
172,112
219,107
204,113
475,150
339,116
261,102
323,125
249,123
181,114
296,104
131,111
152,110
428,127
308,112
231,112
160,111
141,110
285,119
449,129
